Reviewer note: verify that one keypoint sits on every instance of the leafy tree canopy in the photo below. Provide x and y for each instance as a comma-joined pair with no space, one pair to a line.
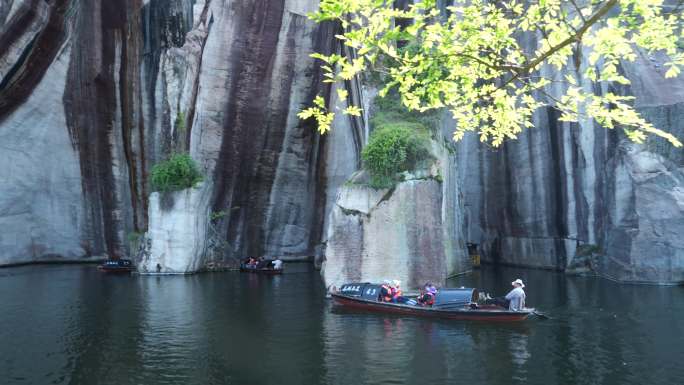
469,59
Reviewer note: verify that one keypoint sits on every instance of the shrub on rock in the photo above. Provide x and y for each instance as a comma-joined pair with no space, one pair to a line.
399,141
394,148
176,173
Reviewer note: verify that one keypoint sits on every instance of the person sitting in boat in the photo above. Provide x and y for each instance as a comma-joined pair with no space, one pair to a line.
251,262
516,297
427,296
396,292
514,300
386,291
431,288
262,263
277,264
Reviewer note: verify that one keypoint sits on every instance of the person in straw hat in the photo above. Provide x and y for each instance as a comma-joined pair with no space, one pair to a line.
516,297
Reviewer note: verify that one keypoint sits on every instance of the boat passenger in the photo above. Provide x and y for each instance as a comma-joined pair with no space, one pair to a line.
427,297
261,263
385,292
277,264
516,297
429,287
396,292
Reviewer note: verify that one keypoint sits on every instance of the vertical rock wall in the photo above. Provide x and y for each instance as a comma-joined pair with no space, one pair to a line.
412,232
397,235
72,78
94,93
563,188
177,231
263,164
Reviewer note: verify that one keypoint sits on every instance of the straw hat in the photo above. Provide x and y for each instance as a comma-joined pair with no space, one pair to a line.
518,282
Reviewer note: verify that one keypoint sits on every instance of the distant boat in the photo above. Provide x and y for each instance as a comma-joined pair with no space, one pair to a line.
117,266
264,270
456,304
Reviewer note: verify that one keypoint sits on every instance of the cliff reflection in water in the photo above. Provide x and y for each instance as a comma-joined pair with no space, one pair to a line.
71,325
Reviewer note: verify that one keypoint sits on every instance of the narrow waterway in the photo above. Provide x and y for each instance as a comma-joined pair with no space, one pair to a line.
72,325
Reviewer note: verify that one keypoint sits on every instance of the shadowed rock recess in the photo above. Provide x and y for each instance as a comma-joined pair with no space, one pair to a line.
94,93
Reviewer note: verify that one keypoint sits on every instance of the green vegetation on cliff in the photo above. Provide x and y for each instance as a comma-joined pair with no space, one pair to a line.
176,173
399,141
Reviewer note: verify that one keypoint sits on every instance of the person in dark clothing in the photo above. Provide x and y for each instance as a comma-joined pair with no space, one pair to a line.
498,301
262,263
385,292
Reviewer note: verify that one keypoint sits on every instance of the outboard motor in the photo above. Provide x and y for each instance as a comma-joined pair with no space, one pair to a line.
448,298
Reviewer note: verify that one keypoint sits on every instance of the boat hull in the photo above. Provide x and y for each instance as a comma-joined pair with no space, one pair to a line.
261,271
116,270
455,314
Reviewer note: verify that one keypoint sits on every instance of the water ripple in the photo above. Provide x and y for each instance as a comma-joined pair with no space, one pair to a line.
70,325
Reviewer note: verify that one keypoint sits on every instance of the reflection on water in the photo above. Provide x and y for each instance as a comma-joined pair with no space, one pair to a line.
391,349
71,325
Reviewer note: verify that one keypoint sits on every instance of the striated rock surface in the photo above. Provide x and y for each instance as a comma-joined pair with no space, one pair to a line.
399,235
645,218
93,93
177,233
72,120
412,232
563,186
41,201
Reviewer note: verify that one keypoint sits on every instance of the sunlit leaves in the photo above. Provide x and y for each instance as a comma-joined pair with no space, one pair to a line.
342,93
319,112
672,72
352,110
471,59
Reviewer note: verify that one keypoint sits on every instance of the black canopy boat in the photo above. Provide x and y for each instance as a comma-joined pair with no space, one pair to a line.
269,270
117,266
457,304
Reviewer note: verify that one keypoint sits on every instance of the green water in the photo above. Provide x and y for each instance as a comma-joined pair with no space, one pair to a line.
72,325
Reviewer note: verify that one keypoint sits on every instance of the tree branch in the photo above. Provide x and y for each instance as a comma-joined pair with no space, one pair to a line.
571,39
579,11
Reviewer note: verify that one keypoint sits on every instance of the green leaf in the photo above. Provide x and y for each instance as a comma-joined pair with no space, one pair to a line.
672,72
342,94
472,62
353,110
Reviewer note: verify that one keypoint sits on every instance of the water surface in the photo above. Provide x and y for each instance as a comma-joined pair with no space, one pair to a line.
73,325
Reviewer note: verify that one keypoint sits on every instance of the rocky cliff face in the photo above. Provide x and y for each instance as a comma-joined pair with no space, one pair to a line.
176,239
409,232
412,232
347,257
564,189
93,93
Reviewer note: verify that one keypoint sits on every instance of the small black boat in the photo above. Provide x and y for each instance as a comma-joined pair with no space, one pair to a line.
117,266
262,270
456,304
